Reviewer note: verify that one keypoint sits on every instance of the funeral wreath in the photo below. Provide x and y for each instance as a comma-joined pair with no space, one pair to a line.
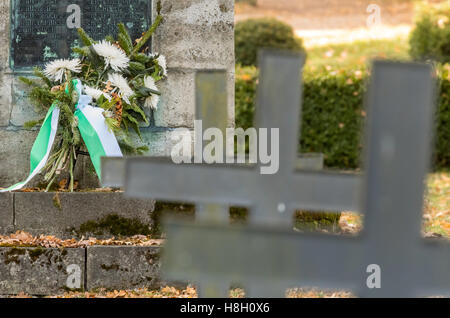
91,103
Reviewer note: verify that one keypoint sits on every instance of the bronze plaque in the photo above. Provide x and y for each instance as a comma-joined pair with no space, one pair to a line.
43,30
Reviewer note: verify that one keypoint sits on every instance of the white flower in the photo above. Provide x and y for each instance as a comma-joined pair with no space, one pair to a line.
95,93
121,85
153,100
162,62
108,114
114,56
56,70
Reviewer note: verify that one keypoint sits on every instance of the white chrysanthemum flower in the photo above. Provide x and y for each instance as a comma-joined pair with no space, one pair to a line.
162,62
56,70
153,100
114,56
95,93
121,86
108,114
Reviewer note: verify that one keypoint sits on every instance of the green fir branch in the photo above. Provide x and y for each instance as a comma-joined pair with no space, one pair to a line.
147,35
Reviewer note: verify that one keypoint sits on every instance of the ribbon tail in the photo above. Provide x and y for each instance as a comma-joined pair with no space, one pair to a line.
42,147
99,140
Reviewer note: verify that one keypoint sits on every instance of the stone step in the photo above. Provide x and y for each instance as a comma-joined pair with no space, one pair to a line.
62,214
41,271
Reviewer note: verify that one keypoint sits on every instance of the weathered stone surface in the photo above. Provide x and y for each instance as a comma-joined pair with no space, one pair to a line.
85,173
231,97
6,213
5,97
43,213
117,267
196,34
38,271
15,147
160,142
177,106
22,109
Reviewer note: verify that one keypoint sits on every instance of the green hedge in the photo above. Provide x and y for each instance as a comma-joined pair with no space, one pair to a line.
430,38
254,34
442,155
333,115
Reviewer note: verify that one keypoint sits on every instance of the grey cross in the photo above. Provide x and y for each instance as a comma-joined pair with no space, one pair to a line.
267,261
271,198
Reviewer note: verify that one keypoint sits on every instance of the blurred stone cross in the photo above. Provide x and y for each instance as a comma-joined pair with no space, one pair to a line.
390,258
272,199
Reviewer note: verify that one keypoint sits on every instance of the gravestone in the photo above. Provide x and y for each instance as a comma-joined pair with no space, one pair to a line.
390,259
194,35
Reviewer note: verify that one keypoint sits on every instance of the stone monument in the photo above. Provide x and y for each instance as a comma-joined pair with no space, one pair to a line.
194,35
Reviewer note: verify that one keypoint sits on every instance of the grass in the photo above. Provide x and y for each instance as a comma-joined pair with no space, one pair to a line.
355,55
436,209
437,205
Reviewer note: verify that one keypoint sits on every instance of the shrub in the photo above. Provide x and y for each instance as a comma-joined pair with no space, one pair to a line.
430,38
332,117
253,34
333,114
246,79
442,155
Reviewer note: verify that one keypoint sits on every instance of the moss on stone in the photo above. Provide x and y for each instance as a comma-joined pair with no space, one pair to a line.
57,202
169,208
152,257
36,253
63,251
108,268
12,256
115,225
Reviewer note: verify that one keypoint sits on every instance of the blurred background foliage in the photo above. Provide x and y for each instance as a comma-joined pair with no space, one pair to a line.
335,80
253,34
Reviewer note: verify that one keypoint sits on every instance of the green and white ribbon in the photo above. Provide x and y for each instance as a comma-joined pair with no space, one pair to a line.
99,140
42,146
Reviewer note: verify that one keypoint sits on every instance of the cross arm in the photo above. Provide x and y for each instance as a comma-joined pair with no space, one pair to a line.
250,256
325,191
161,179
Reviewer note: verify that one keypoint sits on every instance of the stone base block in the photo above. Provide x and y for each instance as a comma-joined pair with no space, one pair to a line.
117,267
38,271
